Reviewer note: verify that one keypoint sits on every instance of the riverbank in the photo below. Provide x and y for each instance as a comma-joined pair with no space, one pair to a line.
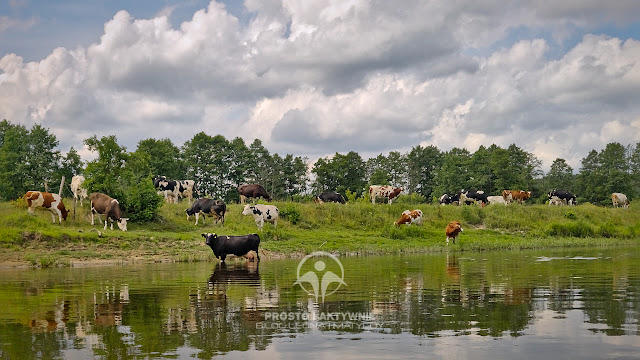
353,229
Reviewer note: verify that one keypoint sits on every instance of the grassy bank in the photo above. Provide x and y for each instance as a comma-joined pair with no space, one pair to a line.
356,228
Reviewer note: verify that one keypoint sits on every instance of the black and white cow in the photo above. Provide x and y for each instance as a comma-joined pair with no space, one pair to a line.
210,207
174,189
262,213
469,196
232,245
329,196
447,199
563,195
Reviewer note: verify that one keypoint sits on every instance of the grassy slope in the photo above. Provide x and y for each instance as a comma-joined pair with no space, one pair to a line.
358,228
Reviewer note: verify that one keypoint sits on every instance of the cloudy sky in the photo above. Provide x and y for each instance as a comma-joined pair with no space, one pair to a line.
311,78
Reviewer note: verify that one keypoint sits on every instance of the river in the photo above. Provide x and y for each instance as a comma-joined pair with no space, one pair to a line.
543,304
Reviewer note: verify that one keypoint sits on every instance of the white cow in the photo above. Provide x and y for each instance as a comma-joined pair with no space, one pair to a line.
554,200
497,200
78,190
620,199
262,213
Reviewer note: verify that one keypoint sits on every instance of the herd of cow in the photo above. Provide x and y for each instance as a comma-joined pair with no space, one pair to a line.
172,190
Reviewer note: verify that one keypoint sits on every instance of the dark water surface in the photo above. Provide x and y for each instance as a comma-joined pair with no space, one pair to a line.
569,304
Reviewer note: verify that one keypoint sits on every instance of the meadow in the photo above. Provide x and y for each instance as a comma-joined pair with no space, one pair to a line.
356,228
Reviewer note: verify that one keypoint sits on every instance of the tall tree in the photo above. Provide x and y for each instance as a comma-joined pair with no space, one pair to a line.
14,149
70,164
560,176
42,158
422,167
340,173
165,159
453,174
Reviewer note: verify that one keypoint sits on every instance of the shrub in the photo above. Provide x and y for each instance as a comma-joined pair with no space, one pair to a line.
579,229
291,213
472,215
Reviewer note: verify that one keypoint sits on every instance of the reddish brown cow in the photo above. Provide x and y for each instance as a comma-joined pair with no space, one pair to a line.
45,200
515,195
452,231
410,217
252,191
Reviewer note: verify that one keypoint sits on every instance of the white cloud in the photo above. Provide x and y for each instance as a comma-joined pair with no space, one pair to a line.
313,78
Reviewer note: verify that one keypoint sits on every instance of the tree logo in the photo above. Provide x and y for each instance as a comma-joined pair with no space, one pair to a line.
320,277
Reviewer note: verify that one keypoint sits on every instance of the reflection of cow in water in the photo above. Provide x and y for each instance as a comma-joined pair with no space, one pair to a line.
243,274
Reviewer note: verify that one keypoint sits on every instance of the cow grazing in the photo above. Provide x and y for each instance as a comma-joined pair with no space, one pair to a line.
253,191
102,204
515,195
204,206
232,245
410,217
472,196
620,199
497,200
452,231
447,199
329,196
262,213
384,191
554,200
45,200
565,196
79,192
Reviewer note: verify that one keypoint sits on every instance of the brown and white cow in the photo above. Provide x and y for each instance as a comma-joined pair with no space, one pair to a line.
105,204
45,200
620,199
410,217
252,191
79,192
384,191
452,231
515,195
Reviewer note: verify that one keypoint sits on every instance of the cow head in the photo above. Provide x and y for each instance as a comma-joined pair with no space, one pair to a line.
209,238
248,209
122,223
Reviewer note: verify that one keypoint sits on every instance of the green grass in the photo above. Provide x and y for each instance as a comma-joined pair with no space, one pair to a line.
355,228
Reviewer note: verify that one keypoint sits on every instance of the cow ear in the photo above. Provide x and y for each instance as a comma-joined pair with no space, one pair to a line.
204,236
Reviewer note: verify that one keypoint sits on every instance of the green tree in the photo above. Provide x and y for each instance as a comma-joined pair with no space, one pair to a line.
70,164
422,167
560,175
14,149
123,176
340,173
165,159
454,173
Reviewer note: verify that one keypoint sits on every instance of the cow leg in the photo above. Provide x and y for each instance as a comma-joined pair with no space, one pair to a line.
222,257
197,216
53,217
105,223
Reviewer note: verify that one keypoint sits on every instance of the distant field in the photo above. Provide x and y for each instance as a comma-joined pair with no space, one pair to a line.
357,228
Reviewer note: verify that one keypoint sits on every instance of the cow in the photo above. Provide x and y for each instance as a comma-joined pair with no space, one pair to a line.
262,213
410,217
472,196
232,245
515,195
175,189
447,199
384,191
620,199
565,196
497,200
45,200
102,204
554,200
204,206
79,192
253,191
329,196
452,231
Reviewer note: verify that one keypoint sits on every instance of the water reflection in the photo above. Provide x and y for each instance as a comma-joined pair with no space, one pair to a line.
186,310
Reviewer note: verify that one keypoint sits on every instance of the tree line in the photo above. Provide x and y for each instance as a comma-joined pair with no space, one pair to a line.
30,158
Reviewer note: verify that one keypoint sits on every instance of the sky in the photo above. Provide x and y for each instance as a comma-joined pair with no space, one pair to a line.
312,78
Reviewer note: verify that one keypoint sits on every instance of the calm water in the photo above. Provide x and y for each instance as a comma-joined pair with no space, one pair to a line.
571,304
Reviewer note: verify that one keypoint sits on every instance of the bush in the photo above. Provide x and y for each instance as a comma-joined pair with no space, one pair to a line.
472,214
291,213
579,229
